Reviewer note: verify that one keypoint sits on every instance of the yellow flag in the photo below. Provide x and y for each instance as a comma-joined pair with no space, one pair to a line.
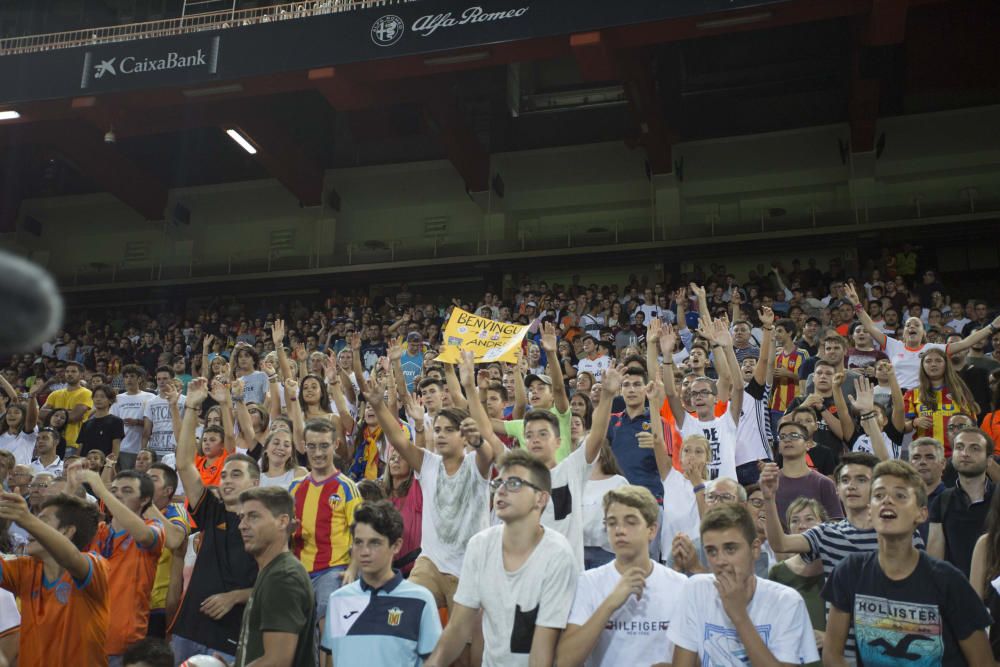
487,339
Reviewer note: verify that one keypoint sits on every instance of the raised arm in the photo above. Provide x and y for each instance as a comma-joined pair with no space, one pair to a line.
975,337
725,340
136,526
896,392
278,338
667,341
226,397
174,534
864,403
489,443
776,536
699,293
295,415
519,370
611,382
337,394
187,442
206,349
396,436
764,370
550,345
458,399
680,300
395,352
657,394
845,421
852,296
248,438
14,508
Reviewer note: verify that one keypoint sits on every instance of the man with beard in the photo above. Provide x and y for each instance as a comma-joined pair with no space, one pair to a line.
958,515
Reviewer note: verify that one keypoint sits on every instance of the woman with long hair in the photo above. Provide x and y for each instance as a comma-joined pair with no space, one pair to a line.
58,419
403,490
19,429
940,394
985,572
605,476
277,465
686,489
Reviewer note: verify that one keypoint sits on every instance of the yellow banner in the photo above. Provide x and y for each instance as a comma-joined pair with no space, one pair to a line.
487,339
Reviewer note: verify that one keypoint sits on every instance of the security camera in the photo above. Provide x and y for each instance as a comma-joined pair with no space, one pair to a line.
109,137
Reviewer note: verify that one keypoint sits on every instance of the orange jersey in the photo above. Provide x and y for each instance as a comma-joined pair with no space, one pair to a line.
786,390
211,473
991,424
132,569
940,411
325,511
64,622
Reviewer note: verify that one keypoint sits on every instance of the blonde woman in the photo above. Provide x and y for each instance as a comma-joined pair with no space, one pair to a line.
683,492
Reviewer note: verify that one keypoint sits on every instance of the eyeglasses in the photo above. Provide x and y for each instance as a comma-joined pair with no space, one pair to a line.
312,447
513,484
756,502
720,498
958,427
38,486
703,392
785,437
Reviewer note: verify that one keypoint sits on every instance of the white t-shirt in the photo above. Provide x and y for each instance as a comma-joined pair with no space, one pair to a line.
157,410
10,617
131,406
777,611
594,532
538,594
906,360
255,387
564,511
456,507
753,433
636,634
680,511
596,367
721,435
20,444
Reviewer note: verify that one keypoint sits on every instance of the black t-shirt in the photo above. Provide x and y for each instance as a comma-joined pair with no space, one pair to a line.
919,620
823,437
222,566
98,432
148,356
961,522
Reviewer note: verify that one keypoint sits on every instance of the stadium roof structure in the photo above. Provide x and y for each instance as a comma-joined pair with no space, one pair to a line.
138,109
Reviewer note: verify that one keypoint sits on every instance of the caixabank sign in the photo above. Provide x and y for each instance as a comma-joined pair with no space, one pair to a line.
390,31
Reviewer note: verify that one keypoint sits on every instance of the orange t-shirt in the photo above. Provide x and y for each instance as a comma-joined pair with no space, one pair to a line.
132,569
64,622
211,474
991,424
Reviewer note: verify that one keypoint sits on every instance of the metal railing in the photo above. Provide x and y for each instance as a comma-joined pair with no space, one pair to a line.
191,23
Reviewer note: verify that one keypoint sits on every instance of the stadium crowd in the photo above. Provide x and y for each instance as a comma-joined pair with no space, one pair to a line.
790,468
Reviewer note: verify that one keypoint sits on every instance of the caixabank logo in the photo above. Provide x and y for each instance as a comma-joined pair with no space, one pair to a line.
106,67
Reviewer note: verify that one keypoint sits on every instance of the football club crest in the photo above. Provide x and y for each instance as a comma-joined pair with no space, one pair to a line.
395,616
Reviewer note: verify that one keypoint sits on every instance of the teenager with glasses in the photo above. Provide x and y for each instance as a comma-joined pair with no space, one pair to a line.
798,480
520,574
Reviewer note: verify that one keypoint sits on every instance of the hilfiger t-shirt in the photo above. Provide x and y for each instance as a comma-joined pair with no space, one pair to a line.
636,634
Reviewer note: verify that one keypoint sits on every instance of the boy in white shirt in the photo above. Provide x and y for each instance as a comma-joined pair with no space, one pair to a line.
732,616
622,610
521,574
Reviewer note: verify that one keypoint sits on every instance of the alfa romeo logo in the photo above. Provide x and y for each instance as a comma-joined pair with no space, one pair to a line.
388,30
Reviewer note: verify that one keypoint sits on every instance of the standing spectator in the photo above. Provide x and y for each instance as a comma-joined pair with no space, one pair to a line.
412,359
900,603
148,353
615,603
131,545
521,574
787,362
103,431
381,618
403,490
278,624
19,429
210,612
63,586
732,613
130,406
596,361
75,399
940,395
176,528
245,360
325,501
797,480
958,514
162,415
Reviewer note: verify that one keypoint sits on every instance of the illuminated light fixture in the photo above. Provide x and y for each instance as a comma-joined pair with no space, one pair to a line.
475,56
738,20
242,141
9,114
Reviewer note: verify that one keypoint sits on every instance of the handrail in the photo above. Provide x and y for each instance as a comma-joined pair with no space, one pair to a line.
219,20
